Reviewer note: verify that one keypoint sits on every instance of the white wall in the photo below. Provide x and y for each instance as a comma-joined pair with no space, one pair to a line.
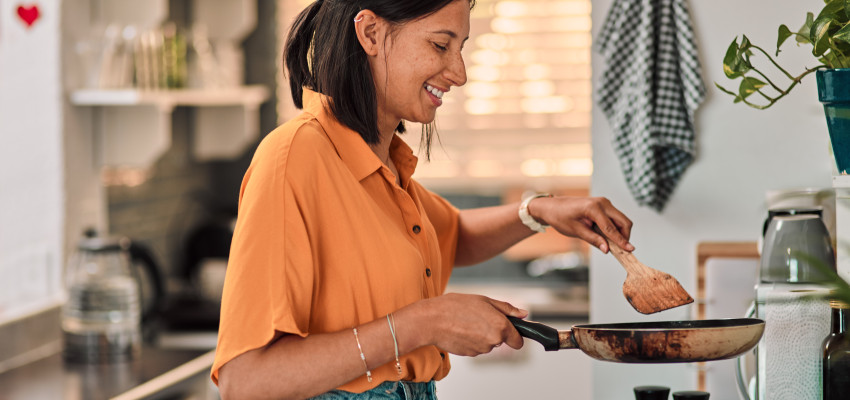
742,153
49,183
31,176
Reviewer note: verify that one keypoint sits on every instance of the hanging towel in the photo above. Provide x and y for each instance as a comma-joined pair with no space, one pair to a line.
650,89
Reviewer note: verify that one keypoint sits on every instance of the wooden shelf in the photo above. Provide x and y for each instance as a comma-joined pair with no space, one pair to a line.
248,96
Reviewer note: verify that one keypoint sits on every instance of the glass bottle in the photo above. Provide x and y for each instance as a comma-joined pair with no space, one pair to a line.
836,355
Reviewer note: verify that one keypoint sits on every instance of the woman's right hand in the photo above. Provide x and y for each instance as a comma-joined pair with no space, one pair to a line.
468,325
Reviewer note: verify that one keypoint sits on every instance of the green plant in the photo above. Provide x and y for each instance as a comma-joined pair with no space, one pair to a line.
829,36
840,287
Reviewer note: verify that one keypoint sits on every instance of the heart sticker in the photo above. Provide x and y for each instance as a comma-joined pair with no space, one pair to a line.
28,14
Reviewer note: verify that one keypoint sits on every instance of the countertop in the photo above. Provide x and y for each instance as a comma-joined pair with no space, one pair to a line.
156,373
173,369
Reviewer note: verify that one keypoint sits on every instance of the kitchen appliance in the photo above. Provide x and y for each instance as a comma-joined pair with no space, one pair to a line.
780,211
791,300
651,342
102,317
792,244
204,254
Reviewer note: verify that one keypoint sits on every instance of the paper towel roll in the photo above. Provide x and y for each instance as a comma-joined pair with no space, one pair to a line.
791,349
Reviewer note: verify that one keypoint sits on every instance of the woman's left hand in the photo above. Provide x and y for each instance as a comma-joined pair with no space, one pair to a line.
576,217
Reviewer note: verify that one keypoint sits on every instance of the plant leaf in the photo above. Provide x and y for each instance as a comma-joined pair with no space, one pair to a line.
749,86
784,34
734,65
820,36
843,34
841,290
804,34
833,7
829,60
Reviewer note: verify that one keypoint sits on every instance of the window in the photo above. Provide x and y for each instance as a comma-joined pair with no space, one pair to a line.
523,118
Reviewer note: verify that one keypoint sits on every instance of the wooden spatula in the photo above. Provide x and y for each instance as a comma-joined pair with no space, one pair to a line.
648,290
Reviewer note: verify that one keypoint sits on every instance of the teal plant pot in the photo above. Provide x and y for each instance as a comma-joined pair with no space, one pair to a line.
834,93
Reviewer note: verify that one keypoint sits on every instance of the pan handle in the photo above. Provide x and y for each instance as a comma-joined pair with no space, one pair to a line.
549,337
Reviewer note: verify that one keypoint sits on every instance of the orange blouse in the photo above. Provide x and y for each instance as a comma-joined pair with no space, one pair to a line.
325,241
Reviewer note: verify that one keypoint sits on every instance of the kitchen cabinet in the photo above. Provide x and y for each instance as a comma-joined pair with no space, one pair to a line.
131,116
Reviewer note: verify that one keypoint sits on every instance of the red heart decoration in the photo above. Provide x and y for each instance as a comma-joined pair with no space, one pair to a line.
28,14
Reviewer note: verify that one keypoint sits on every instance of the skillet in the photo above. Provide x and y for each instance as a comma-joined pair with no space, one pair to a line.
651,342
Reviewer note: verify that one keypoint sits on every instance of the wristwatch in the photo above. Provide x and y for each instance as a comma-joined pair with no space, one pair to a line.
527,219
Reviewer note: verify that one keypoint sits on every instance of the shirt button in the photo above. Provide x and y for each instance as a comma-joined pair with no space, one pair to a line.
417,229
428,272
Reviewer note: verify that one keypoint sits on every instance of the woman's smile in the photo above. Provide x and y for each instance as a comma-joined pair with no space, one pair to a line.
436,95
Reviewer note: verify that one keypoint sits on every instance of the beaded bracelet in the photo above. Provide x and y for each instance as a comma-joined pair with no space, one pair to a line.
363,357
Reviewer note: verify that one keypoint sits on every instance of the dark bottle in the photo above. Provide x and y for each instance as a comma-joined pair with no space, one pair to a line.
690,395
651,392
836,355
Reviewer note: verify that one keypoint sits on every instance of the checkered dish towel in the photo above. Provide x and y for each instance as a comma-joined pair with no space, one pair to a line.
649,92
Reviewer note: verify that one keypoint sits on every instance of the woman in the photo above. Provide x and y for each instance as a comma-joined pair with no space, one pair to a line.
339,260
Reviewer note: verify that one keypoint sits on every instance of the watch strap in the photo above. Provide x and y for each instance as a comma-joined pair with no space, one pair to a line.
527,219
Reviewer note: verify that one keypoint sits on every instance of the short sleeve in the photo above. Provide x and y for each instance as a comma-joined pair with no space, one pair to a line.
269,272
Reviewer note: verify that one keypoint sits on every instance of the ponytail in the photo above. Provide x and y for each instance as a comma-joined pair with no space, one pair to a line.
296,55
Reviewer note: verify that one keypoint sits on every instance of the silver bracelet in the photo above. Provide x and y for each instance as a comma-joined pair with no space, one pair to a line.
363,357
391,324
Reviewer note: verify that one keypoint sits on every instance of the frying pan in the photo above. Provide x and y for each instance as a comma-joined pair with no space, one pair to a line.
651,342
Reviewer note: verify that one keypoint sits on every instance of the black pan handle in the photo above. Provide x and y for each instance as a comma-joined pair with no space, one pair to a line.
543,334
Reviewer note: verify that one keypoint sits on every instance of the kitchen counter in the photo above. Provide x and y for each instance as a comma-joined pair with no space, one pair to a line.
157,373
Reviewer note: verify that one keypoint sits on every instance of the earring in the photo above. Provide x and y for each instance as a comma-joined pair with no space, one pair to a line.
358,19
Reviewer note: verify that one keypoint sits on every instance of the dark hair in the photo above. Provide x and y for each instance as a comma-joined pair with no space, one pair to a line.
331,61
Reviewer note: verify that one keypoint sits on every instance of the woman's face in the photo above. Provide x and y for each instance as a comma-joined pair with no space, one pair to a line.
419,62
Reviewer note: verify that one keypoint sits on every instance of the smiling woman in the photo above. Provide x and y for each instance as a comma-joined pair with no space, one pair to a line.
339,261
